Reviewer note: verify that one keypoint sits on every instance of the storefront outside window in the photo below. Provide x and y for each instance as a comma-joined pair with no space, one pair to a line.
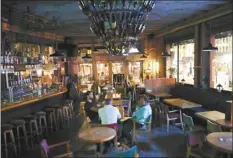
103,71
117,68
135,71
171,62
186,61
221,61
86,73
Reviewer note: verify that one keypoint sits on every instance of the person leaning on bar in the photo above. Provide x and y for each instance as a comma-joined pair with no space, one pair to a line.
90,103
143,111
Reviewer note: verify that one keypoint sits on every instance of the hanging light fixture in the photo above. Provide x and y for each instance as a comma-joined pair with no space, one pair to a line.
58,53
143,56
86,57
219,88
165,54
210,47
182,81
117,22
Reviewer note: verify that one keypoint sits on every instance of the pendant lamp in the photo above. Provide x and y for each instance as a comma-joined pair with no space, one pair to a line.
210,47
165,54
143,56
86,57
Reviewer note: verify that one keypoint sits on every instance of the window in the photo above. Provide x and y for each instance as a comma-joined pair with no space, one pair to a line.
186,61
135,71
171,62
117,68
221,61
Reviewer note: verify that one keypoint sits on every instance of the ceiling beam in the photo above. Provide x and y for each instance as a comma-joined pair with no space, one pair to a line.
221,11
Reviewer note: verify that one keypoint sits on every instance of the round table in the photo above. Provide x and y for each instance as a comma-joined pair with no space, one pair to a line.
98,135
225,123
221,141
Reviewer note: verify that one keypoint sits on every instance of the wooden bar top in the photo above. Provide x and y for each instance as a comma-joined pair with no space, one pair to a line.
33,99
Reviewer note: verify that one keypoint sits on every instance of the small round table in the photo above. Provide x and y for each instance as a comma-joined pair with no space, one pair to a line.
225,123
98,135
221,141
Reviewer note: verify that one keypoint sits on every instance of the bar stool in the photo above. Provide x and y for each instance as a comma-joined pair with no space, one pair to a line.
8,129
32,126
42,122
58,114
51,117
20,124
70,104
66,114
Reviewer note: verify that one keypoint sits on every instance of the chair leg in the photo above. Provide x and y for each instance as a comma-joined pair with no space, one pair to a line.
5,144
25,137
13,141
18,138
167,125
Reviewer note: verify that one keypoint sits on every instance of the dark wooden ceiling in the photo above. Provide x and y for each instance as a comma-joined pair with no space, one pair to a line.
70,21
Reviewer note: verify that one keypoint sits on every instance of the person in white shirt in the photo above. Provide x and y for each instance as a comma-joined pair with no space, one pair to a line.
109,114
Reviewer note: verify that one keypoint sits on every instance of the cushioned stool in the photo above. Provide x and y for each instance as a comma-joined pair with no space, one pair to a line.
32,128
8,129
20,124
42,122
51,117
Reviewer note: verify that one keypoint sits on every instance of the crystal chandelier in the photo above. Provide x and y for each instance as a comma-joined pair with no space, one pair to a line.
118,23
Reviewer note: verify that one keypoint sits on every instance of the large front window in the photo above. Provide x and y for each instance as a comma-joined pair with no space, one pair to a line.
221,61
186,61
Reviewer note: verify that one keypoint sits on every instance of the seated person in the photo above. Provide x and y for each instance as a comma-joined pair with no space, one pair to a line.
109,114
143,111
90,103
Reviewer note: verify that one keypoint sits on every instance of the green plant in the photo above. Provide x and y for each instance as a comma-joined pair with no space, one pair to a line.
172,70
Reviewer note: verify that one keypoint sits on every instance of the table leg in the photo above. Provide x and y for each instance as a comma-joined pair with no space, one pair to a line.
101,149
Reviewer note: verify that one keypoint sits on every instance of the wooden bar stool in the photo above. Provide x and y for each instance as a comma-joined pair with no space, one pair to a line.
32,128
8,129
42,122
20,124
51,117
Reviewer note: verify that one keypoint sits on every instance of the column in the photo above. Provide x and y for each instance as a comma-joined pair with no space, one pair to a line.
205,58
197,56
94,68
110,72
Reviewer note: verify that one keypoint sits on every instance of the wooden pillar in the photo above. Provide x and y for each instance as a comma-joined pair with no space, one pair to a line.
110,71
178,63
94,69
197,56
212,39
126,68
205,60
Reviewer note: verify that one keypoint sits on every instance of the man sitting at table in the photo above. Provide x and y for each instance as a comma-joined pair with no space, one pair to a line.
109,114
143,111
90,103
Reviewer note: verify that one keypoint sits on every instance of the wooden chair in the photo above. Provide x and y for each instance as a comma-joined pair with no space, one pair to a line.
147,128
113,126
188,124
155,108
127,105
171,115
45,148
197,147
213,127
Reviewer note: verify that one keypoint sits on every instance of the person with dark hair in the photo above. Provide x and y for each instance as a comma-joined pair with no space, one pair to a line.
73,94
143,111
109,114
90,103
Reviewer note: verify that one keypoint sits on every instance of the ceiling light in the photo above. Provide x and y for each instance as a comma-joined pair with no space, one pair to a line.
86,57
58,54
165,54
143,56
209,48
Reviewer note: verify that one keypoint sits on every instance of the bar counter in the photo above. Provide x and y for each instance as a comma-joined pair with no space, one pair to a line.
30,106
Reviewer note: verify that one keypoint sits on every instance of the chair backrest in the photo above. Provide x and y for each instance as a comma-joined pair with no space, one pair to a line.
113,126
127,103
44,148
121,110
188,121
213,127
130,153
